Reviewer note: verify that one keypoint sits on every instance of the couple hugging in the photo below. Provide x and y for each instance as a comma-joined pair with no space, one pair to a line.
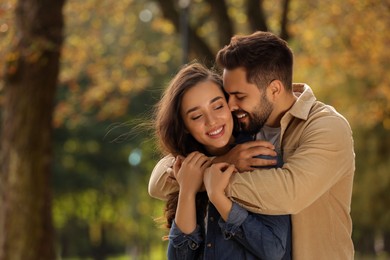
256,167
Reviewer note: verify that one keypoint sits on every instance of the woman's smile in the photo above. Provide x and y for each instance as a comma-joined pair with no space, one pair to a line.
215,133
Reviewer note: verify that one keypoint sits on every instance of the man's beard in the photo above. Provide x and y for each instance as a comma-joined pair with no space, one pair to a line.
258,118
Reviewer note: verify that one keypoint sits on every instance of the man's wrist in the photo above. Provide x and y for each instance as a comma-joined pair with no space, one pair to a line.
218,159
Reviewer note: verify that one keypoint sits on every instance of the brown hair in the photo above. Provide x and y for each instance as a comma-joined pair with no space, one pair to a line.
170,130
265,57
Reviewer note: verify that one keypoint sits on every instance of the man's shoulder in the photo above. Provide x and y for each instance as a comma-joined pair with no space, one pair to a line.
326,120
326,112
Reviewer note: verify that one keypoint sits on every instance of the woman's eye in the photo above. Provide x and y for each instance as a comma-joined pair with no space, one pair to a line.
196,117
218,107
240,98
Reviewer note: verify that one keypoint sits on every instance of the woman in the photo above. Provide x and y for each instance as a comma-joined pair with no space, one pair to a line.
194,120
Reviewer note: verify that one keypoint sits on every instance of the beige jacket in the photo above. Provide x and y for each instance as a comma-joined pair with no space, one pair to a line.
314,184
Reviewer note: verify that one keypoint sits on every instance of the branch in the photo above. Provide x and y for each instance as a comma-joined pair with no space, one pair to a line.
170,13
223,21
284,34
256,16
198,46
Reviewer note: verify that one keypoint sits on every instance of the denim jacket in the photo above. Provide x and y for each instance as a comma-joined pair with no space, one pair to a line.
245,235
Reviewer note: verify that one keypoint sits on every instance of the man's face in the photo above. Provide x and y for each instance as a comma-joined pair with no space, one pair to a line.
246,101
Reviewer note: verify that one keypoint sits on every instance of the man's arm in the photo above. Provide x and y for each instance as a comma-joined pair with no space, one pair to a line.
322,157
162,182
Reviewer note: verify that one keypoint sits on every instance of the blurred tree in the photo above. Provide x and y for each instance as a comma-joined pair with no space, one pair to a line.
108,82
30,80
99,76
222,21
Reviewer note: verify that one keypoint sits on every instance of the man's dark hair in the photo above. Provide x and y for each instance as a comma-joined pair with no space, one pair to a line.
265,57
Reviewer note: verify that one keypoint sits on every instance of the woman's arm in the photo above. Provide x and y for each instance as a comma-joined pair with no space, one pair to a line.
184,237
184,246
189,174
215,187
267,237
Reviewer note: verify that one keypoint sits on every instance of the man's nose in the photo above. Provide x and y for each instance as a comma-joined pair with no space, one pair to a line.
232,105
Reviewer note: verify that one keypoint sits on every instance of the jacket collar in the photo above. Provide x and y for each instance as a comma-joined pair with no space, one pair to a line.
304,102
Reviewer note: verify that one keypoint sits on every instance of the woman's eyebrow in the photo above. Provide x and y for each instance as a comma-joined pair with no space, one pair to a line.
215,99
197,107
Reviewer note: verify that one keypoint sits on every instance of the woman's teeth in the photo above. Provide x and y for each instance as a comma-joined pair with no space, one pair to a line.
216,131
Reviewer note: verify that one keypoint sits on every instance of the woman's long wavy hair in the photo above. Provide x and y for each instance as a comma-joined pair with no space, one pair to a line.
171,133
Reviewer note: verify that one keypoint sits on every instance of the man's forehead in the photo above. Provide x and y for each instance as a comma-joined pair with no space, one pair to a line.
238,70
235,82
234,89
234,75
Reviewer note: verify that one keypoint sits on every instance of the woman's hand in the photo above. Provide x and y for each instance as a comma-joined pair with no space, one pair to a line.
189,171
216,178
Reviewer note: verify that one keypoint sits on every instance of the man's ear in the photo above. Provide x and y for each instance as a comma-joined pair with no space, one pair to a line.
275,88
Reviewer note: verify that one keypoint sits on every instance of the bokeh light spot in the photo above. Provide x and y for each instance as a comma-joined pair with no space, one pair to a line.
135,157
145,15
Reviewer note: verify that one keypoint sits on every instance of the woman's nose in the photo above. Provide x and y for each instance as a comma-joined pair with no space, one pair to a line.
210,120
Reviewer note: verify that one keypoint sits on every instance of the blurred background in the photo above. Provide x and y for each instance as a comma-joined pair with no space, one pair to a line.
117,57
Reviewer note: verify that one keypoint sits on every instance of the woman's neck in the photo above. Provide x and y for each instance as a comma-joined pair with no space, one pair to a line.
218,151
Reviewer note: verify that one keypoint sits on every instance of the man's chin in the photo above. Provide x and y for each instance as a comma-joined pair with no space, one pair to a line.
250,129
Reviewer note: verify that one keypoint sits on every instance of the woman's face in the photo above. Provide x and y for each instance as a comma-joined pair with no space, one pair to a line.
207,116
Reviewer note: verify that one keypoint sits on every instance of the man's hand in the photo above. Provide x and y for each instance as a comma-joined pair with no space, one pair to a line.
243,155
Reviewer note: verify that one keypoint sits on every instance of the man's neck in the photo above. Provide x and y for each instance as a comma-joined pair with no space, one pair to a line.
280,108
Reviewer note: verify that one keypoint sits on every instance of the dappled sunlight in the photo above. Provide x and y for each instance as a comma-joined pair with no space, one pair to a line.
118,56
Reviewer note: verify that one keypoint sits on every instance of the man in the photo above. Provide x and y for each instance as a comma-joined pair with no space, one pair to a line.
315,182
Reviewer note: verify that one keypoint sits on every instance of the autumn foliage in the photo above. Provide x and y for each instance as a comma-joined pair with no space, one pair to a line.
116,58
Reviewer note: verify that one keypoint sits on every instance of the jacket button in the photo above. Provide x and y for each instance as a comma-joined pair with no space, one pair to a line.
209,245
211,219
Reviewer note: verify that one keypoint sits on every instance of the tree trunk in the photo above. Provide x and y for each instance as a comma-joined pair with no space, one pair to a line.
284,34
197,46
219,9
386,246
256,15
31,74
